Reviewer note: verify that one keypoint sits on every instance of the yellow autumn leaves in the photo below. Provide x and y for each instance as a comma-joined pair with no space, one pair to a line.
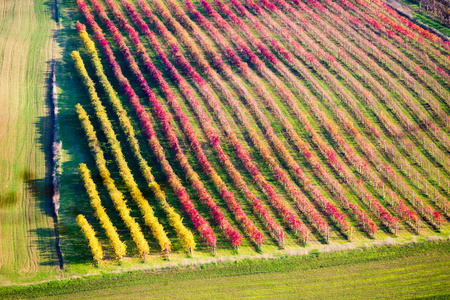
150,220
89,232
100,213
115,195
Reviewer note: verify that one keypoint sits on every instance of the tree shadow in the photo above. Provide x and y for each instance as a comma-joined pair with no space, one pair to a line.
8,199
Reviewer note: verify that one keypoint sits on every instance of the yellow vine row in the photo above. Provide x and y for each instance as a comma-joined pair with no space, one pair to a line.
174,218
149,217
89,232
116,196
100,213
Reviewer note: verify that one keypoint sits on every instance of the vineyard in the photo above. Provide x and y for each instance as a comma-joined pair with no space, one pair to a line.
223,127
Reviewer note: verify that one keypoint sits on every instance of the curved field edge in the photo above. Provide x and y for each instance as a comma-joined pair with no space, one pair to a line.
397,271
27,247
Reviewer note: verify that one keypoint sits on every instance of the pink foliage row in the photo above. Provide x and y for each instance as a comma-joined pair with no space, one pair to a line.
303,205
233,205
318,197
302,146
230,233
388,147
215,104
350,154
327,151
201,225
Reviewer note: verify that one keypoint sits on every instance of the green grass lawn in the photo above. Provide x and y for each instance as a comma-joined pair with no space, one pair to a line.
426,18
400,272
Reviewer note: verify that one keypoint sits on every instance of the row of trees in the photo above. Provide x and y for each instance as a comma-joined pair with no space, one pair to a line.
174,218
89,233
286,95
352,157
215,105
229,231
120,248
200,224
146,210
260,90
255,109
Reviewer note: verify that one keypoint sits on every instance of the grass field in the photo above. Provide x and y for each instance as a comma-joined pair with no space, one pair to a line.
394,272
27,239
425,18
26,225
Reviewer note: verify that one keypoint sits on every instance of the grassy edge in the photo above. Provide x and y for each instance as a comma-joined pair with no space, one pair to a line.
224,267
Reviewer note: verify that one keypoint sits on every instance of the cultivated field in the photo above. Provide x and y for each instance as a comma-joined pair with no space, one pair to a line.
405,272
275,128
27,246
229,130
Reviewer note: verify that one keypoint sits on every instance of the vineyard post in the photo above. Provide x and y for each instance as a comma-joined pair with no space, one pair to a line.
396,227
98,260
418,226
417,178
